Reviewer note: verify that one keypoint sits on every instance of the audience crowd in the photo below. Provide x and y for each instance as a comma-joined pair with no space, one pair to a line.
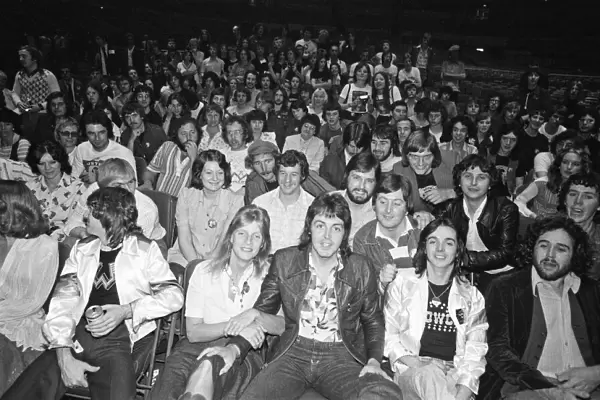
348,225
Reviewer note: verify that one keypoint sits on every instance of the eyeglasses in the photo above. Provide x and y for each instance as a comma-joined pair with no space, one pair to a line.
66,134
238,132
143,96
123,185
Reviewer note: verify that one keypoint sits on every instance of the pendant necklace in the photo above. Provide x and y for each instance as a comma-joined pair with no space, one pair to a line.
212,222
235,288
436,301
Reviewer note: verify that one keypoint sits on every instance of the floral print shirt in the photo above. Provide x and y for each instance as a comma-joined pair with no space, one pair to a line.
56,205
319,311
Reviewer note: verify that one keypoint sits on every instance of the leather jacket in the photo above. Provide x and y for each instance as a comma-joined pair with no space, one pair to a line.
360,318
497,227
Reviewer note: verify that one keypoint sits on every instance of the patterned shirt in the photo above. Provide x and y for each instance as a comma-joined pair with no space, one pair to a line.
319,311
287,223
33,89
216,143
57,205
174,173
239,172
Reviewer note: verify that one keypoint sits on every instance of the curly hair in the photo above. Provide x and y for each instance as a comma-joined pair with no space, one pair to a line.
291,158
555,179
589,180
331,205
581,259
461,259
244,217
116,210
200,162
463,119
474,161
20,212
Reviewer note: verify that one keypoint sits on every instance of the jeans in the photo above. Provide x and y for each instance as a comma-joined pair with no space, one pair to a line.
179,365
327,367
115,380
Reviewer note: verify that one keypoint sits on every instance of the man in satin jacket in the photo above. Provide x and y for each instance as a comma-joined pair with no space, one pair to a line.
334,329
122,274
489,223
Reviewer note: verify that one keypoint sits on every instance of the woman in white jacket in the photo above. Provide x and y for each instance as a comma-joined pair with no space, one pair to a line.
124,275
435,321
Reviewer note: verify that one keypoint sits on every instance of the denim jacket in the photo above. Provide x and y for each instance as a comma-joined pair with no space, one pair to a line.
405,313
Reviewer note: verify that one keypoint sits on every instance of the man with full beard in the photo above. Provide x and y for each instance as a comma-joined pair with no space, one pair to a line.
384,146
544,333
360,179
173,160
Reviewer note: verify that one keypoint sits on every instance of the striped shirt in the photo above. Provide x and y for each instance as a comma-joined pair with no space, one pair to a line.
23,146
174,173
404,250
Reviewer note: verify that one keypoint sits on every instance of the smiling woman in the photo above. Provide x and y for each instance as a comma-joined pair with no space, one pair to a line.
205,209
54,187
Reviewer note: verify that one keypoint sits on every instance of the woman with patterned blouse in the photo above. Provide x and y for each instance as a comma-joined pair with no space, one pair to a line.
56,190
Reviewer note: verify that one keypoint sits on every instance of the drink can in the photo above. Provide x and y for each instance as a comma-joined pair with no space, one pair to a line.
93,312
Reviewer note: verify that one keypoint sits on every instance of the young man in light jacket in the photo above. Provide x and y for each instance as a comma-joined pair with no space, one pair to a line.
435,321
119,272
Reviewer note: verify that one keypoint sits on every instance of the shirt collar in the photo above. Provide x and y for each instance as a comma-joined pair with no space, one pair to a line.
339,267
479,210
572,282
379,233
347,155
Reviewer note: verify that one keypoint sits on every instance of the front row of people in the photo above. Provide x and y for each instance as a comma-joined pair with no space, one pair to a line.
312,317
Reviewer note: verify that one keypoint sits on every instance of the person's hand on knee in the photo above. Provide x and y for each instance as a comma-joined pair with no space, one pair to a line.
72,370
228,353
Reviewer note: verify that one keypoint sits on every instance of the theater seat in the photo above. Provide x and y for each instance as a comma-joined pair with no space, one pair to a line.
166,205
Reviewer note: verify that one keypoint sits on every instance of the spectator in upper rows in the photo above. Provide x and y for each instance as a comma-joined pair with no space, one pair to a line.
12,145
100,145
140,136
505,156
532,95
554,126
482,139
57,111
55,188
531,142
143,95
332,126
543,194
422,57
262,157
543,160
428,169
307,143
96,99
453,71
410,73
460,130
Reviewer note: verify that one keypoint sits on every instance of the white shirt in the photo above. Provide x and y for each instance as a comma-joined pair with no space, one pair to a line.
561,351
86,158
208,294
287,223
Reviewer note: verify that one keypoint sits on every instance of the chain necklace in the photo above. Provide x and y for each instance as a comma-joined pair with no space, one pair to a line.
436,301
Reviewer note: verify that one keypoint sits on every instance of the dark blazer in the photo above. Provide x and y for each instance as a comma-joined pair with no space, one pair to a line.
497,227
112,60
361,319
138,60
333,167
509,308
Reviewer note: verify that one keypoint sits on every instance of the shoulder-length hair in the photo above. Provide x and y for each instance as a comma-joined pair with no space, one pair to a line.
185,107
419,142
56,151
461,259
506,129
116,210
244,217
330,205
20,212
54,96
386,89
581,259
200,162
102,97
555,179
232,119
463,119
474,161
363,64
